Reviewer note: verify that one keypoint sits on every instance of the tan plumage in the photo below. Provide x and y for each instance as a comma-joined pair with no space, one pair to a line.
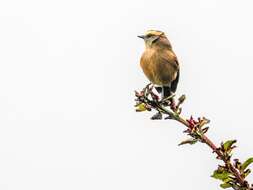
159,63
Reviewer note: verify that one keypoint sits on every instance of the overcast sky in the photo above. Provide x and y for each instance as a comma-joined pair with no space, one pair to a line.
68,70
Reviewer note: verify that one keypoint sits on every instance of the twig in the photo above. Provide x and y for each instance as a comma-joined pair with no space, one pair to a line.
232,175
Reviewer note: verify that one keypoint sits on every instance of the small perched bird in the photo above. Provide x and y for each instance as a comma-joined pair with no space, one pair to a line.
159,63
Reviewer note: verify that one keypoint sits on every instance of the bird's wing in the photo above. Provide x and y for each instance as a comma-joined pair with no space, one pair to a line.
168,67
171,58
175,62
174,83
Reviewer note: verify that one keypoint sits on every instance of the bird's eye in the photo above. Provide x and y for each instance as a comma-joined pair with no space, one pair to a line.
149,35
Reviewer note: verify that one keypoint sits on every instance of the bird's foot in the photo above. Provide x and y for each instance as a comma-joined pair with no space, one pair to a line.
168,101
168,98
157,116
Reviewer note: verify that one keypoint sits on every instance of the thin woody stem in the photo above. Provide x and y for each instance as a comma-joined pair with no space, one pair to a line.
207,141
175,115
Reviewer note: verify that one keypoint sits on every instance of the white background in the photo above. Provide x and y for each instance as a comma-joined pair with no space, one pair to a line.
68,70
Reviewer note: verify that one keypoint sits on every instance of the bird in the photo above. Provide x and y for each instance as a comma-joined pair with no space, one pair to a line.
159,62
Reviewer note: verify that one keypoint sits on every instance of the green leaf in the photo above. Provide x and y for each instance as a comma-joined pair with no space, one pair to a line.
141,107
188,141
247,163
237,164
225,185
228,144
221,175
247,172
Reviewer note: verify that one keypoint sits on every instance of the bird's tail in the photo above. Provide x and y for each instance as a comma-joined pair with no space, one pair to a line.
159,89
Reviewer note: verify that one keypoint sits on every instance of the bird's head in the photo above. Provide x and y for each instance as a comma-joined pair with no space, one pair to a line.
152,37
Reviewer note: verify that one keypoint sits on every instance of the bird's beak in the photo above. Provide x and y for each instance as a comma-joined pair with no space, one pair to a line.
141,36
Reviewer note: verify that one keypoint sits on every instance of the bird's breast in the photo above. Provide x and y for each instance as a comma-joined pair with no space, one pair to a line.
158,67
149,66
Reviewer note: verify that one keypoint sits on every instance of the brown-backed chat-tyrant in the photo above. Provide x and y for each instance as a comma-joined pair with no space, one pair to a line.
159,63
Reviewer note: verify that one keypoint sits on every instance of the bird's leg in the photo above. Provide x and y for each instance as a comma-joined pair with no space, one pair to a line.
167,96
158,115
162,96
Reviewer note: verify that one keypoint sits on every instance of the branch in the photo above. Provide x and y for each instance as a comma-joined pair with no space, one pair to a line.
231,173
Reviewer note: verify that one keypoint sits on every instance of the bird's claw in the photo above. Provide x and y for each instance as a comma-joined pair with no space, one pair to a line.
169,98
